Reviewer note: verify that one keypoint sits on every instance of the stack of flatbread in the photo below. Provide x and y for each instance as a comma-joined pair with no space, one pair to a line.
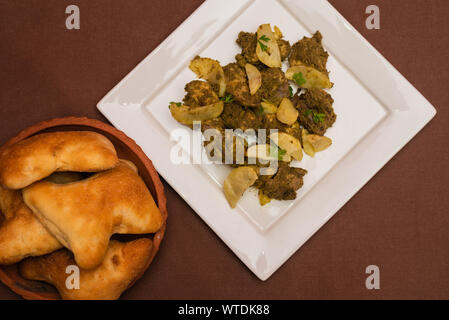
62,196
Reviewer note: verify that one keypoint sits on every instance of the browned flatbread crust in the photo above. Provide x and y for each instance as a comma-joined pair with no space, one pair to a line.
37,157
122,265
84,214
21,234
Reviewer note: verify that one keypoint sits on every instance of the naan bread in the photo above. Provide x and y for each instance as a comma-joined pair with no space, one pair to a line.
83,215
37,157
21,234
122,265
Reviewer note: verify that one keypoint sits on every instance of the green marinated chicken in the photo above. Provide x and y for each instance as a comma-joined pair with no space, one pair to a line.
253,98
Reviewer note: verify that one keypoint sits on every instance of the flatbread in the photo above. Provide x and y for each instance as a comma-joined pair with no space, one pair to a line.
37,157
122,265
21,234
83,215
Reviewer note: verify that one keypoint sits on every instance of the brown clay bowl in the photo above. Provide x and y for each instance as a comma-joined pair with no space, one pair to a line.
126,149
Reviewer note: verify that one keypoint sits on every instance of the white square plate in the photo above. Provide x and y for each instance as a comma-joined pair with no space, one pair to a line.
378,112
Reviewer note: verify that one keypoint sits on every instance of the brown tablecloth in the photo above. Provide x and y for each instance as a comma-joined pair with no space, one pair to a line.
398,221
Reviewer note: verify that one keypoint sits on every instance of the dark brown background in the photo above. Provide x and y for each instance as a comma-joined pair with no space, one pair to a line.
398,221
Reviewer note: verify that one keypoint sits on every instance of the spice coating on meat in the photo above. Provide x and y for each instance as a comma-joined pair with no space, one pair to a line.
309,51
284,48
248,42
237,85
235,116
274,85
199,94
284,184
226,146
315,111
271,123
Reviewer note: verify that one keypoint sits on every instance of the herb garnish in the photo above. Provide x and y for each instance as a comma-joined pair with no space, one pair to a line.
262,46
178,104
290,90
227,98
280,152
299,79
264,38
316,117
261,110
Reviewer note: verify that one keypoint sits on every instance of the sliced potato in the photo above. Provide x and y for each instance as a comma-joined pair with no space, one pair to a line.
313,143
308,149
290,144
313,78
267,49
268,171
277,33
286,112
319,143
186,115
263,198
263,152
237,182
254,78
268,107
211,71
259,151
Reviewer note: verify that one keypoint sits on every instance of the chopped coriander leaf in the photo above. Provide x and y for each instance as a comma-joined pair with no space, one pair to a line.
307,112
290,90
262,46
260,110
178,104
280,152
227,98
318,117
299,79
264,38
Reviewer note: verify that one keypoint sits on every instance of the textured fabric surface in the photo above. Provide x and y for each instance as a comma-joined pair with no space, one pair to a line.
398,221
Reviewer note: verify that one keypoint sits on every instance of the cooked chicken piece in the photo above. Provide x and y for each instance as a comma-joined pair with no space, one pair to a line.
235,116
284,48
248,42
274,85
271,122
315,111
282,185
241,61
237,85
227,147
310,52
216,123
199,94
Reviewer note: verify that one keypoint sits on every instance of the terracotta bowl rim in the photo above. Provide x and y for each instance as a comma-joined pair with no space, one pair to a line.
131,144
